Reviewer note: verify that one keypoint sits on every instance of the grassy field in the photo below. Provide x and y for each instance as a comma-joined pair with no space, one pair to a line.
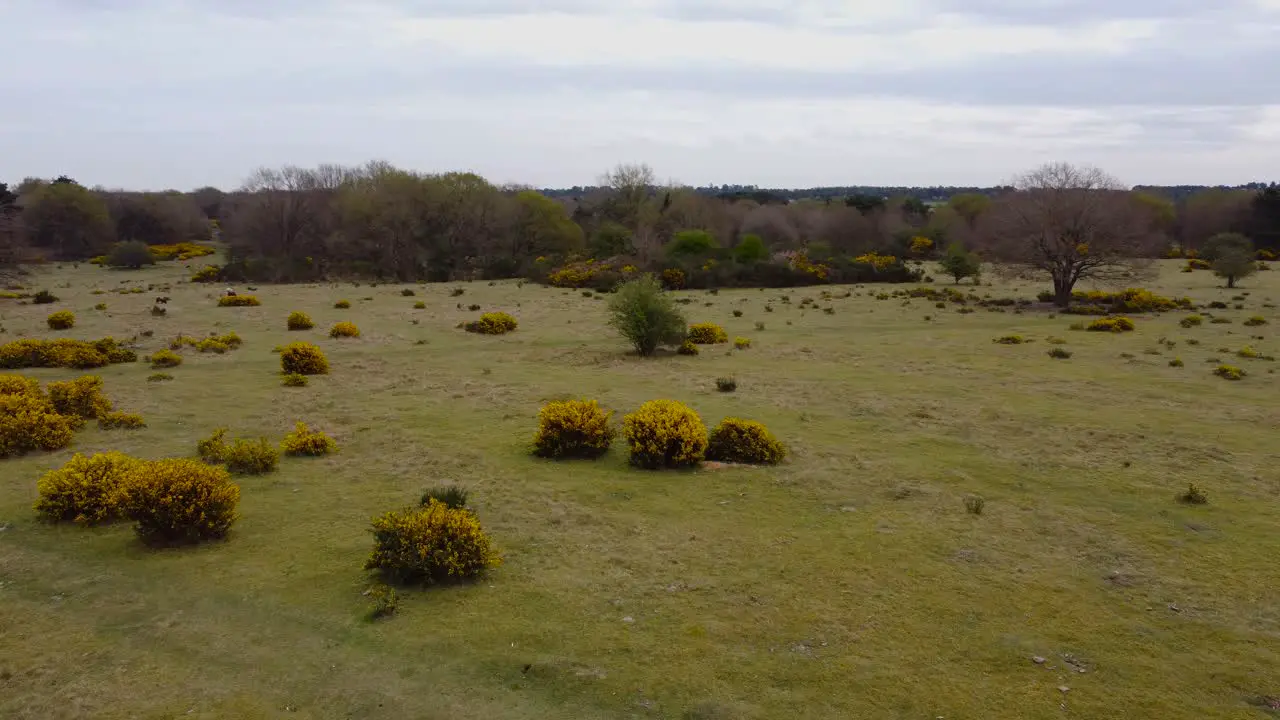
849,582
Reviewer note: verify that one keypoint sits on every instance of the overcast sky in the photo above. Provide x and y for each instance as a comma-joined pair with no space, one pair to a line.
181,93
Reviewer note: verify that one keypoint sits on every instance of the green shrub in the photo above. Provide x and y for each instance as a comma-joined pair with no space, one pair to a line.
1059,353
305,441
726,384
687,348
974,504
742,343
43,297
1009,340
251,457
744,441
303,359
299,321
430,544
1176,362
1115,324
80,399
238,301
494,323
131,254
451,495
121,421
707,334
165,359
665,434
1220,321
1248,353
419,305
61,320
293,380
407,293
1255,321
383,601
342,304
180,501
1191,321
86,490
344,330
159,377
646,315
573,429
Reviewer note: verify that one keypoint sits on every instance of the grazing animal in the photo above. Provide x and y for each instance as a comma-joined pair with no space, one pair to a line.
230,293
162,300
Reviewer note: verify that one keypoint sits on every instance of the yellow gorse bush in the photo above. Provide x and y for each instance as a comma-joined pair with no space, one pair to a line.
86,490
121,421
182,251
687,348
239,301
299,321
493,323
178,501
28,420
431,544
165,358
573,429
80,399
208,273
303,359
742,343
744,441
61,320
344,330
342,304
707,334
305,441
665,434
673,279
65,353
212,345
1111,324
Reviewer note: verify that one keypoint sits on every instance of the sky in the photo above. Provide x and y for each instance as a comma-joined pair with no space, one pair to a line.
155,94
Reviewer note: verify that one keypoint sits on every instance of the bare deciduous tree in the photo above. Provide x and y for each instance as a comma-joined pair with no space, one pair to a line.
1070,223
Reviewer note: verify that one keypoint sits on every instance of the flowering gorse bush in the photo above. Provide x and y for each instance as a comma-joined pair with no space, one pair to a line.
61,320
573,429
1116,324
344,330
707,334
180,501
80,399
665,434
493,323
303,359
744,441
86,490
239,301
64,353
305,441
430,544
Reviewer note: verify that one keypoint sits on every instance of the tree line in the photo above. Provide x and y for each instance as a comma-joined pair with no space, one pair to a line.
301,224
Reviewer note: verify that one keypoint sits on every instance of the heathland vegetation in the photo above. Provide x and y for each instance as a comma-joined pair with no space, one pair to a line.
643,452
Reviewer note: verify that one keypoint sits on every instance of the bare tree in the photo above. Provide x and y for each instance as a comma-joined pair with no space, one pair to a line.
1070,223
10,231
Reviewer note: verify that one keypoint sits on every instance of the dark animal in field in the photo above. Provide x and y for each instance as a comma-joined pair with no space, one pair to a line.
229,292
162,300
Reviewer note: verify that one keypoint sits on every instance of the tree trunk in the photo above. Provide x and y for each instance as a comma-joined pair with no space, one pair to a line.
1061,291
1231,281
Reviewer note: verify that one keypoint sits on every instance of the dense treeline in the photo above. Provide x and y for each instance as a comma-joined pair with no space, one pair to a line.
296,224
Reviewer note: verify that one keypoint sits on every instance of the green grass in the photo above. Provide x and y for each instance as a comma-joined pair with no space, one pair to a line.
848,582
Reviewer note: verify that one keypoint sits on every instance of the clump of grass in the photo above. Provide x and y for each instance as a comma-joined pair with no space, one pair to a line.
759,326
1176,362
974,504
1009,340
726,384
737,313
159,377
1191,321
419,305
457,292
383,601
294,380
342,305
1059,353
1195,495
1255,321
452,496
